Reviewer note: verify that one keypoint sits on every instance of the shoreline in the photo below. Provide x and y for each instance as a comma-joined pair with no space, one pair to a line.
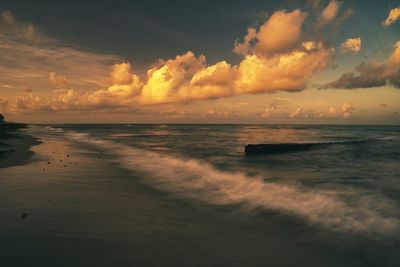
15,146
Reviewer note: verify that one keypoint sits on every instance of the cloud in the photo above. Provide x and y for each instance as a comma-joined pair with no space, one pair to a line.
269,111
371,74
26,89
277,56
186,78
168,82
84,69
243,48
345,111
57,79
344,16
121,73
280,33
301,113
216,114
43,55
283,72
352,45
215,81
8,86
11,27
393,16
329,13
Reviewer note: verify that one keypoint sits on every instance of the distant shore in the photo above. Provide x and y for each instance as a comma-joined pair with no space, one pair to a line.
15,145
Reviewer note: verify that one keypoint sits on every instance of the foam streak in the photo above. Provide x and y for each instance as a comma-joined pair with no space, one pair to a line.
202,181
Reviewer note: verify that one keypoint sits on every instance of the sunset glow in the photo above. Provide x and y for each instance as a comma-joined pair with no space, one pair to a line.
315,57
200,133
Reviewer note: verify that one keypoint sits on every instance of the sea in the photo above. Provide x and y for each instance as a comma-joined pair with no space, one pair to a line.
189,195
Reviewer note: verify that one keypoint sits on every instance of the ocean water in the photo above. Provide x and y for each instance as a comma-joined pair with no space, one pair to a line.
187,195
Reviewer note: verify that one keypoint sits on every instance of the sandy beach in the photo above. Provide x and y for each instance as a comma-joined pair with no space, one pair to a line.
99,199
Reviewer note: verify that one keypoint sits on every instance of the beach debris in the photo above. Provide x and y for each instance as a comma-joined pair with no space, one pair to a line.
65,166
24,215
67,156
48,162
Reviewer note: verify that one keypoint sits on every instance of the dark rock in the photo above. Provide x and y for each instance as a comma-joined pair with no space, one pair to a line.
276,148
294,147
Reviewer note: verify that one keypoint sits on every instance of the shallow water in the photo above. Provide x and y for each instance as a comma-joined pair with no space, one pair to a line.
187,195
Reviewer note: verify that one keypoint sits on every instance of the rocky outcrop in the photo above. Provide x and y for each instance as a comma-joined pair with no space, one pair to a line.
276,148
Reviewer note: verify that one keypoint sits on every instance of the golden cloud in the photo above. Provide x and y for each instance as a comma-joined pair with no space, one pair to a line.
121,73
167,83
284,72
280,33
276,57
394,15
57,79
351,45
345,111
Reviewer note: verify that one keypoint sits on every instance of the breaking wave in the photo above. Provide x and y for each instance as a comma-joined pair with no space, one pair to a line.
338,211
57,130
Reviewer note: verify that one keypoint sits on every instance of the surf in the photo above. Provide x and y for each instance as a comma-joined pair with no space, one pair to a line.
343,211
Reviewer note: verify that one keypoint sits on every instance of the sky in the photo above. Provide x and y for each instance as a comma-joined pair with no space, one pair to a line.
312,61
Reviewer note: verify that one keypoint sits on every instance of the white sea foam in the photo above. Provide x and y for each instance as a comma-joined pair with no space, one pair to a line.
200,180
57,130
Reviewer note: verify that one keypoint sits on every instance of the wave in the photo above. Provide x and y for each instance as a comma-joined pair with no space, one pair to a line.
254,149
189,178
57,130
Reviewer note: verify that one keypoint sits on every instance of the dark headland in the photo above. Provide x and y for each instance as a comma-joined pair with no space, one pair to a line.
14,144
